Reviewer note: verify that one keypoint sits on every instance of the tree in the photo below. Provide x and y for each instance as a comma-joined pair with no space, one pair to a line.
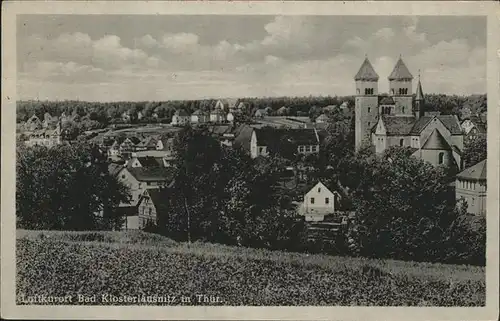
403,204
66,187
475,151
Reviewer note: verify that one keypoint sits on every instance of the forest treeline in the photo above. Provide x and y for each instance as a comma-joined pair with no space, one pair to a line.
105,112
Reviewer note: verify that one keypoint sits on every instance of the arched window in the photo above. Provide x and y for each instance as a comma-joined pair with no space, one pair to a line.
392,91
403,109
357,91
441,158
401,142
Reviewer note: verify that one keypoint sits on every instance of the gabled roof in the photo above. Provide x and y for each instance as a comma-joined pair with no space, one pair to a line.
200,112
451,122
420,124
149,161
217,112
436,141
386,100
114,169
400,71
152,174
322,117
305,136
475,172
398,125
149,141
366,72
181,113
159,197
243,136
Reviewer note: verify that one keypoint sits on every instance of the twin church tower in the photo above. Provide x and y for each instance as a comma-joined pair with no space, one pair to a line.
369,105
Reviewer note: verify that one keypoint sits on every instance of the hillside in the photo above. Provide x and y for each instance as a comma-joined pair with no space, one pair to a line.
117,264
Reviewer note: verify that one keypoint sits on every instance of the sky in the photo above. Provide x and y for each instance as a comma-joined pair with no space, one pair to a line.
163,57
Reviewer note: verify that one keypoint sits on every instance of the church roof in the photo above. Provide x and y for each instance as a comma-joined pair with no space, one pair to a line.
400,72
366,72
436,141
449,121
419,95
475,172
386,100
398,125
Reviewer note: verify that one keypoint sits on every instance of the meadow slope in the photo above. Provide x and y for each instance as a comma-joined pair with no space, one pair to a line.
135,263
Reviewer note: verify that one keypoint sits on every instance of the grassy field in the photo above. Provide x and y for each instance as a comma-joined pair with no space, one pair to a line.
134,263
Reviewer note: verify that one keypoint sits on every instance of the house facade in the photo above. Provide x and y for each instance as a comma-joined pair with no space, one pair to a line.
181,118
150,205
45,137
262,140
200,117
318,202
217,116
473,128
33,123
470,185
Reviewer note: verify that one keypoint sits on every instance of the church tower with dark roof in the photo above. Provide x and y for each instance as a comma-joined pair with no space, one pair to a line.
400,88
366,104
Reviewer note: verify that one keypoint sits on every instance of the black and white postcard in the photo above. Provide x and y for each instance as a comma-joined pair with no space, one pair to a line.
250,160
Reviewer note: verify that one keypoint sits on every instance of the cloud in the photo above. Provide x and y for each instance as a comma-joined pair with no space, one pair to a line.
294,55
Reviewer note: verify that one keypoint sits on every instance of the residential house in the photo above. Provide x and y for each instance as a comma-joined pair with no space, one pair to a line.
465,113
49,121
148,143
241,107
139,178
165,144
470,185
225,134
473,128
128,146
263,140
230,117
152,203
33,123
260,113
200,117
282,111
322,119
228,104
180,118
114,153
318,202
45,137
126,116
217,116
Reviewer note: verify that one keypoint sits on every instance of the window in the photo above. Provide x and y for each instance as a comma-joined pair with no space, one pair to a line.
473,201
401,142
319,189
327,200
301,149
369,124
150,211
368,91
441,158
369,109
312,200
403,109
123,176
392,91
357,91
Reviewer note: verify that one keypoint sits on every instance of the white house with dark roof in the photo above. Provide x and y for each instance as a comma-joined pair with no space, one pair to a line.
180,118
217,116
318,202
470,185
200,117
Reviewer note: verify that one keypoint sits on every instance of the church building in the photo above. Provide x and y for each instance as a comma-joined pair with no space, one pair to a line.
398,118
